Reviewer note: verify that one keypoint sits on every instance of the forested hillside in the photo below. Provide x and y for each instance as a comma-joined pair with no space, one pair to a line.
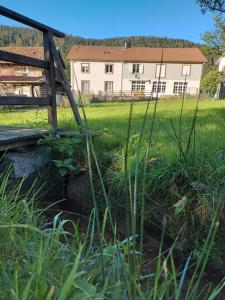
14,36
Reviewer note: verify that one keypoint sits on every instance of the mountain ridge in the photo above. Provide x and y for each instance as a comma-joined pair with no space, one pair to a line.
22,36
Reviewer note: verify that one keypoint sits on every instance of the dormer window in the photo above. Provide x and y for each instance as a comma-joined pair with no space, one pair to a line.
109,69
85,68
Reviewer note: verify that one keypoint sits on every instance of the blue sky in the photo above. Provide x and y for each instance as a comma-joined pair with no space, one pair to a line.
101,19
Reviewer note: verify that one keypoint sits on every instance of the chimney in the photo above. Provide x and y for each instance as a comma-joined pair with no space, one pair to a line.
125,44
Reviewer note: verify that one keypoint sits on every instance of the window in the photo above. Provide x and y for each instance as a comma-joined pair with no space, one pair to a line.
138,85
109,69
160,71
136,68
186,71
108,86
85,68
85,86
180,87
159,87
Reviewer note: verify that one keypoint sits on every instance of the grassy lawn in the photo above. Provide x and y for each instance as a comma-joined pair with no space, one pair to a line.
112,118
42,259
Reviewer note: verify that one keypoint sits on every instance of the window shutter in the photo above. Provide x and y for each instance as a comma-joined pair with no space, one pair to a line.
157,71
142,68
160,71
163,74
130,68
186,70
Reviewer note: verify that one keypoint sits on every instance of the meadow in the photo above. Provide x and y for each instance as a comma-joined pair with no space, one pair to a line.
163,169
112,118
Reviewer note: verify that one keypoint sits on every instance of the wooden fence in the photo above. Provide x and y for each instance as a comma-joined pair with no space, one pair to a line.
52,64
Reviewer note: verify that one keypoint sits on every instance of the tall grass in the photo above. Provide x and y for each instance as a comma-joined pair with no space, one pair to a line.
41,259
134,273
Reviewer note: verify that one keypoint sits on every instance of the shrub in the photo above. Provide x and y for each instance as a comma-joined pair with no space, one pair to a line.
211,80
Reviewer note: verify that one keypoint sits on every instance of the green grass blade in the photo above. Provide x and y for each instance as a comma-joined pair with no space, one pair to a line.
65,291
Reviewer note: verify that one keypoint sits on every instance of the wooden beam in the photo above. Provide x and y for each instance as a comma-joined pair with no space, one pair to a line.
65,83
23,100
27,21
50,78
23,60
58,76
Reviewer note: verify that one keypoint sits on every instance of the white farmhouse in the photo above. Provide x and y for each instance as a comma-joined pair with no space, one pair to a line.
135,70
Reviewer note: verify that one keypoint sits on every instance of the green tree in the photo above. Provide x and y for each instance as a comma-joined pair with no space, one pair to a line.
212,5
211,80
212,55
216,38
214,44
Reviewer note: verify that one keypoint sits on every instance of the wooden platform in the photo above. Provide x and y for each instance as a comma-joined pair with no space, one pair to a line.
15,137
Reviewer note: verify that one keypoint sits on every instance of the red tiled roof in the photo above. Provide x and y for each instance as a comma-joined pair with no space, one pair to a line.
34,52
21,79
136,54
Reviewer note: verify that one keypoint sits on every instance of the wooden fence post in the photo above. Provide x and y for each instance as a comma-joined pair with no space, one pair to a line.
50,80
67,89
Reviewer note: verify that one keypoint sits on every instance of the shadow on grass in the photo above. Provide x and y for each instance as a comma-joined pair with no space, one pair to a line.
210,125
113,122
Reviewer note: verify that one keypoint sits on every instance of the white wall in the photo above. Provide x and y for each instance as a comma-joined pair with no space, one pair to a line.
193,86
173,71
123,77
222,64
96,76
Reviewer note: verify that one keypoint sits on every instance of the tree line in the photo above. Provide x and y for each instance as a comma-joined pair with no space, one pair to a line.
14,36
25,37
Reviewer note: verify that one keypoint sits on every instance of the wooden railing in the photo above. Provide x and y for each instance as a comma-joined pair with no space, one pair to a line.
52,63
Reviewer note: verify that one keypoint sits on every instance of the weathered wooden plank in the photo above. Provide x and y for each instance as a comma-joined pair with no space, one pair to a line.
23,60
50,77
18,134
58,76
18,144
12,138
27,21
4,128
23,100
65,83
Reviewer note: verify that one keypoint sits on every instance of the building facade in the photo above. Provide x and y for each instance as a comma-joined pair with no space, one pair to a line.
19,79
135,71
23,80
